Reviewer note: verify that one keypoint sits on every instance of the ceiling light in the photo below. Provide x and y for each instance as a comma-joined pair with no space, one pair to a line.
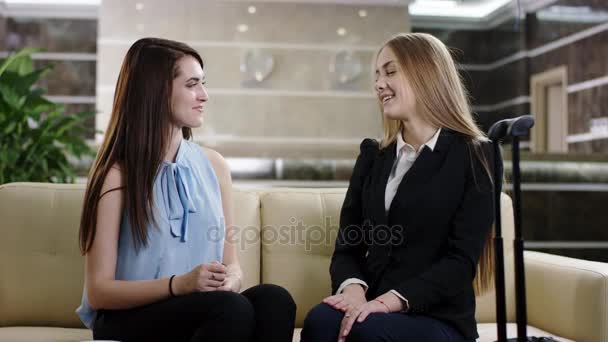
242,28
362,13
457,9
251,9
341,31
139,6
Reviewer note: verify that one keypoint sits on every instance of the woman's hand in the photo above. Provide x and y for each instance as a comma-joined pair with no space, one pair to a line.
232,283
359,314
352,296
203,278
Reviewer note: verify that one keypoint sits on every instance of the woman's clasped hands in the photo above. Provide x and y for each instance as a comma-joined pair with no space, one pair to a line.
213,276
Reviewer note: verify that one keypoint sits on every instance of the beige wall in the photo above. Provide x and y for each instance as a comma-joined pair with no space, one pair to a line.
299,110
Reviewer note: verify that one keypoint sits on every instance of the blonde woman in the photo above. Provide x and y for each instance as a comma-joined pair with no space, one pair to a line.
416,221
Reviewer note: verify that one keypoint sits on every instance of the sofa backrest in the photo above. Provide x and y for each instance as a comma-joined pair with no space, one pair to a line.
302,264
41,268
42,271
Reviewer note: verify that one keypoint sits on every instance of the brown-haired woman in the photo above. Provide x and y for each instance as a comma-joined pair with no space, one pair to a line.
157,211
417,213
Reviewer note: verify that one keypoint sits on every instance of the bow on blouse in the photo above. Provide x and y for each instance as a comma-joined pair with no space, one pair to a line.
178,197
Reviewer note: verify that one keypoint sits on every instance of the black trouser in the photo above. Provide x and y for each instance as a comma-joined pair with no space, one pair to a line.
262,313
322,324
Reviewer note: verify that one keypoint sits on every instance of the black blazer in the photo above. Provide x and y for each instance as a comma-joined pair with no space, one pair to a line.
428,245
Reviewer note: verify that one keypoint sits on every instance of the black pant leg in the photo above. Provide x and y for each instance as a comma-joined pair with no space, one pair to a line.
206,316
322,324
275,313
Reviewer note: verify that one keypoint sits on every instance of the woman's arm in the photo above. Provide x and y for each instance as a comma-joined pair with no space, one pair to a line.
103,290
349,253
230,258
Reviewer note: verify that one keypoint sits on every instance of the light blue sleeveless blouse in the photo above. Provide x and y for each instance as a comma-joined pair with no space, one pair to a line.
190,219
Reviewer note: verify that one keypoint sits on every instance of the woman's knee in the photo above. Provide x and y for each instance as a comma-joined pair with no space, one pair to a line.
322,323
223,305
272,297
236,304
365,333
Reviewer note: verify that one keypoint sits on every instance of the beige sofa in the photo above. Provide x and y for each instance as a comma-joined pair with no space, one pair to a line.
41,269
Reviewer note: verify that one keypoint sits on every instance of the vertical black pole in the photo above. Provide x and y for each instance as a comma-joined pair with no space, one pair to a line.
499,262
518,245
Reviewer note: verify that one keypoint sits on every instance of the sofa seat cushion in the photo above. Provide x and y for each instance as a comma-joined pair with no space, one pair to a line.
487,333
44,334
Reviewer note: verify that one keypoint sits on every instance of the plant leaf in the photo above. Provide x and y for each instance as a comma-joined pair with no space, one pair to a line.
11,97
15,58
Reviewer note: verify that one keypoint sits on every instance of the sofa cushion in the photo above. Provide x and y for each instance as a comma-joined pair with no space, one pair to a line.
299,227
44,334
246,212
575,288
42,270
487,333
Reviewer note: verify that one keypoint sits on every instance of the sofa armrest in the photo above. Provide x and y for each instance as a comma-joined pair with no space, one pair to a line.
567,296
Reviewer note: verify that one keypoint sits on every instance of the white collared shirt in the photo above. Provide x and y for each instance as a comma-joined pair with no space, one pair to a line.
406,156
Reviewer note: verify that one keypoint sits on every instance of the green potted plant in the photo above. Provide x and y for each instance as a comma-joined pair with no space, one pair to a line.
38,141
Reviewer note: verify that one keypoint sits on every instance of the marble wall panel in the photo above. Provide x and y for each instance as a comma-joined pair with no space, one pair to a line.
582,216
502,84
482,46
273,22
299,110
585,105
486,119
506,39
294,69
585,59
469,46
286,116
50,34
267,115
73,78
242,125
547,25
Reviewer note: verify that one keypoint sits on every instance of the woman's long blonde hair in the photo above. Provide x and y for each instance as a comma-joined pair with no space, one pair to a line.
442,101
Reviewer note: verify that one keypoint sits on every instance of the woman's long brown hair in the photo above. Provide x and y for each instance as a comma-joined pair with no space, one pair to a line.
137,136
442,101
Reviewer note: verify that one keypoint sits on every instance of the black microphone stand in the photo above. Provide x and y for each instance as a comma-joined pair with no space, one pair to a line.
515,129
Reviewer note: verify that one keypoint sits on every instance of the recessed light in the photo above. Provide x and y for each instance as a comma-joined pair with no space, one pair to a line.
251,9
259,76
341,31
139,6
242,28
362,13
